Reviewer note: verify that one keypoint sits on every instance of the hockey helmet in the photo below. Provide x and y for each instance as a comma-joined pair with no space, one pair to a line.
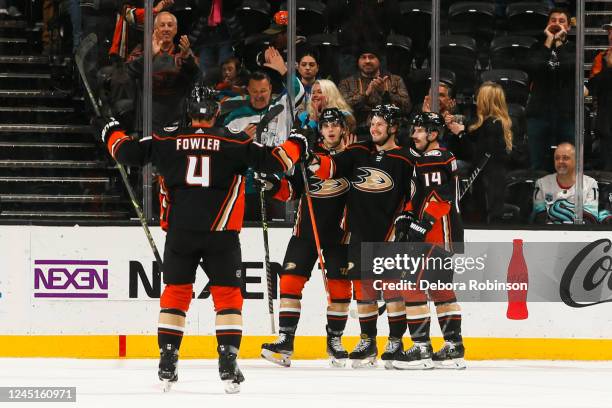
389,112
332,115
202,103
431,121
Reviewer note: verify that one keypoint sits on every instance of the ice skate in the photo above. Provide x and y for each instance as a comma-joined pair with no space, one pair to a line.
168,361
228,369
336,352
280,351
364,355
393,348
450,356
418,357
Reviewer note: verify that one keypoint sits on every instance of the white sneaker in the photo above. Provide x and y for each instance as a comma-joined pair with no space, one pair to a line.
3,12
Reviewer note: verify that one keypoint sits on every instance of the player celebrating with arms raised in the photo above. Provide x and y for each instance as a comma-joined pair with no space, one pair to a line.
203,177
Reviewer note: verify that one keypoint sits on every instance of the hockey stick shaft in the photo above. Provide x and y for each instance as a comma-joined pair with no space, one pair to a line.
475,174
264,227
91,40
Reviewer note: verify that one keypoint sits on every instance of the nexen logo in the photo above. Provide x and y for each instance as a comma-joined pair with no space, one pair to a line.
70,279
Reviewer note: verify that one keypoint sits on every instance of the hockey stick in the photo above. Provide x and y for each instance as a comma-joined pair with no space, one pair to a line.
273,112
475,174
86,44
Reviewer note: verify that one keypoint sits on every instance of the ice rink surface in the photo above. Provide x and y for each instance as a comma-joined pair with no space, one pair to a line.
313,384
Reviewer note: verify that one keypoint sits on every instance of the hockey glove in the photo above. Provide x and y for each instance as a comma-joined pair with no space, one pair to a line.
306,138
411,229
105,127
270,183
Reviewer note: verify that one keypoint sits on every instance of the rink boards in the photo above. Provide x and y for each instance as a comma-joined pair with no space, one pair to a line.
93,292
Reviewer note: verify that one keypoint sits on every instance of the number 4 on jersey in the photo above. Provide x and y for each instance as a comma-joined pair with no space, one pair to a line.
195,176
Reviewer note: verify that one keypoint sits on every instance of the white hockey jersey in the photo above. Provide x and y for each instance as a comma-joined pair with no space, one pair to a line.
558,202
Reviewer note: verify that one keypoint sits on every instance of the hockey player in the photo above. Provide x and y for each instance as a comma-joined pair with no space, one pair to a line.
328,200
433,217
202,168
379,172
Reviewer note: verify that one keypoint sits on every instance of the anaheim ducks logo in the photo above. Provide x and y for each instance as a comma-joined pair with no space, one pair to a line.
329,188
373,180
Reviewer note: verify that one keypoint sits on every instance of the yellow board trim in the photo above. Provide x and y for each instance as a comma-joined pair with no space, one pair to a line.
306,347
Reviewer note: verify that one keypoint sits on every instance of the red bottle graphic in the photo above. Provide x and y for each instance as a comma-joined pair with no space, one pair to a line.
517,273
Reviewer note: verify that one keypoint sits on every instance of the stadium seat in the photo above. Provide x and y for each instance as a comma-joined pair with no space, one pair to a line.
519,158
399,54
472,18
309,16
510,52
604,182
527,18
458,53
254,16
520,185
416,18
514,82
326,46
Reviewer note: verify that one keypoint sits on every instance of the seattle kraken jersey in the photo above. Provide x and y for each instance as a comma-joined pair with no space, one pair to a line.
437,194
380,186
202,171
328,202
555,204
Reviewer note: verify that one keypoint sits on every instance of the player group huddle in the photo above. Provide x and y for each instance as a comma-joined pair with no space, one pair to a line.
373,191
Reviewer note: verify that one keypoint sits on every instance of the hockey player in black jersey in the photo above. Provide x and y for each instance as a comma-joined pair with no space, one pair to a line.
328,200
433,217
380,174
203,176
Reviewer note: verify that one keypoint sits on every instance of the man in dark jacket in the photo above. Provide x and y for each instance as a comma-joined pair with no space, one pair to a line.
550,110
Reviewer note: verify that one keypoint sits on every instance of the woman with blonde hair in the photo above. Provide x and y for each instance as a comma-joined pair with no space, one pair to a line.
490,133
325,95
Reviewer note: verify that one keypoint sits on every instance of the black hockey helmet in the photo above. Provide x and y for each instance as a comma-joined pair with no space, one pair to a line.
431,121
202,103
389,112
332,115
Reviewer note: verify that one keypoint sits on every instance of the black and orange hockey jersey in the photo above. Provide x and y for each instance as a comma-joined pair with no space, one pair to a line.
328,202
203,171
380,187
437,194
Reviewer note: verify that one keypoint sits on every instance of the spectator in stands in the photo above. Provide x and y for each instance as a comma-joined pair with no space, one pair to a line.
231,83
174,71
490,133
246,118
325,95
370,87
308,69
130,17
214,33
554,197
550,110
600,86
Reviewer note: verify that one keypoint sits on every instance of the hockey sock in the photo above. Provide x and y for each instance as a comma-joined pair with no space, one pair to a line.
417,316
288,318
450,321
397,323
228,327
170,327
368,319
336,320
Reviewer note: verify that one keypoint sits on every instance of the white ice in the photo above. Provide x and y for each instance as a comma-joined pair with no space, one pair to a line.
312,384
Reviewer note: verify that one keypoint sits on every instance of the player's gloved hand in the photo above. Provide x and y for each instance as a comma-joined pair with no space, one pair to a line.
104,127
307,139
270,183
411,229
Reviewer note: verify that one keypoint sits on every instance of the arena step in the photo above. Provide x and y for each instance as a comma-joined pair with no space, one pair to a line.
64,214
59,198
34,93
44,128
54,164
